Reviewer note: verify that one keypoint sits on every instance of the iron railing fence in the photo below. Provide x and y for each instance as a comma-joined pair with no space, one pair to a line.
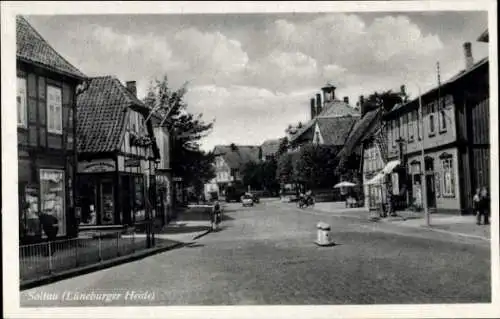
44,259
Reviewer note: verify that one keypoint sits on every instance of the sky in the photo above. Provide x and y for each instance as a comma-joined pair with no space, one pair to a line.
254,74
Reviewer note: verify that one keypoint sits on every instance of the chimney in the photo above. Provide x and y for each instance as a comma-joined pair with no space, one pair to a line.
132,87
469,60
319,107
346,99
313,109
402,90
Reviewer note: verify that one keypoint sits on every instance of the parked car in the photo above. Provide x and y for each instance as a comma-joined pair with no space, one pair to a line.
247,200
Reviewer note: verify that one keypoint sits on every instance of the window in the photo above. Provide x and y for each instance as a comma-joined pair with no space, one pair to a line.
52,196
393,131
418,125
448,177
54,110
400,126
21,98
442,121
411,119
431,125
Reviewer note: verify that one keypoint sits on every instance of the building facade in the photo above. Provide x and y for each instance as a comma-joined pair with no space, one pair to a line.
46,115
455,136
117,153
330,124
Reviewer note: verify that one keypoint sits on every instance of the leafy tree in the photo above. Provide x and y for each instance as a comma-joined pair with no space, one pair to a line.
315,166
283,146
252,175
284,168
188,160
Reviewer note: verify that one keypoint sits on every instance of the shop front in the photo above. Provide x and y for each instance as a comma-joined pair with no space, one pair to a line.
114,193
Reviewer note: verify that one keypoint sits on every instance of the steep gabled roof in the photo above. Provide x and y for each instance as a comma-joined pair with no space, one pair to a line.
331,109
270,147
32,48
338,108
101,114
335,130
239,155
364,127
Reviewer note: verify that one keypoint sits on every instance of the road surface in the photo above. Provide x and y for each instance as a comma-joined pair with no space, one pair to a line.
265,255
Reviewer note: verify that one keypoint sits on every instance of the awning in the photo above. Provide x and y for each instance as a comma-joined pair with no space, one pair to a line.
377,179
389,167
344,184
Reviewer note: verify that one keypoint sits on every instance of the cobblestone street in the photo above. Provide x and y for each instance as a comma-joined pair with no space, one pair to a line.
265,255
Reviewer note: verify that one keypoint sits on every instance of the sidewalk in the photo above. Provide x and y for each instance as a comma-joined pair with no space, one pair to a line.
451,224
184,231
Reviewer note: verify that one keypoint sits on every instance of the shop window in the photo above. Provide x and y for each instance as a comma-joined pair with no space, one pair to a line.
88,203
54,110
29,212
21,98
448,177
139,200
52,196
107,211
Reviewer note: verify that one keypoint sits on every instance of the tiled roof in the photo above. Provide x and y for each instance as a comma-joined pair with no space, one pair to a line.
270,147
365,126
453,79
239,156
333,109
335,130
32,48
338,108
101,112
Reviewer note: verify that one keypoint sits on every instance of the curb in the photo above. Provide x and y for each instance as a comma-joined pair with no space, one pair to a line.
95,267
314,211
206,232
455,233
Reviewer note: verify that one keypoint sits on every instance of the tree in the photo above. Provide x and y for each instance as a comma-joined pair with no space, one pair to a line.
252,175
283,146
284,169
315,166
188,161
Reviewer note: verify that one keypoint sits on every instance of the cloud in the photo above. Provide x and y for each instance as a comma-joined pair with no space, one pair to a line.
246,114
210,53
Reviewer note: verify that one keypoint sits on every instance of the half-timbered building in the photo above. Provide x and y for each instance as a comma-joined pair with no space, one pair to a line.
46,100
117,152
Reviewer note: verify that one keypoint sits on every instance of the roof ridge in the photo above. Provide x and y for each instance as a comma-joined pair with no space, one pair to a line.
24,20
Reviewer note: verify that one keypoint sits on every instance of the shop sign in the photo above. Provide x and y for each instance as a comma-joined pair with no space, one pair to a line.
98,166
132,162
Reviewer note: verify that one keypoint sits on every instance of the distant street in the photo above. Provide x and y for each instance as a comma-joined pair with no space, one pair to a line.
266,255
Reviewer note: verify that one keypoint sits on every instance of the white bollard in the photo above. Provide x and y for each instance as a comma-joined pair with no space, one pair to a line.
323,235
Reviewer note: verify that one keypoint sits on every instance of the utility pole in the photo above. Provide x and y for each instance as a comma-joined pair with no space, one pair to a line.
423,182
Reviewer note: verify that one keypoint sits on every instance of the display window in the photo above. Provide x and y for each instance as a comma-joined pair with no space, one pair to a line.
52,193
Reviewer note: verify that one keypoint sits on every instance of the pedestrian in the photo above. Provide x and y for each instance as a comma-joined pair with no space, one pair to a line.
476,205
484,204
